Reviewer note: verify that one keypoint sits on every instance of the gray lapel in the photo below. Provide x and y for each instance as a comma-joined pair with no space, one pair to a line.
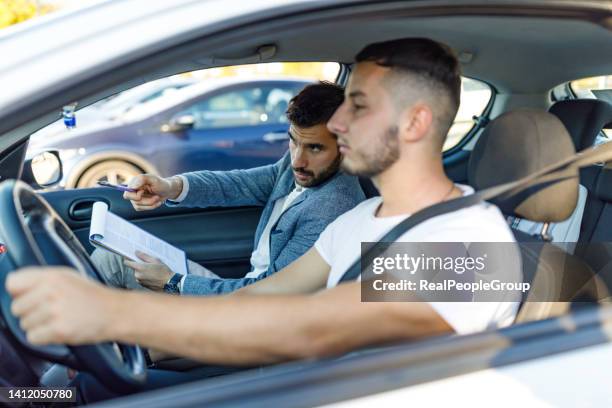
300,198
295,202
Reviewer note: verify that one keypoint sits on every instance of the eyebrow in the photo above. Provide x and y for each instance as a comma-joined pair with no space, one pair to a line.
318,145
356,94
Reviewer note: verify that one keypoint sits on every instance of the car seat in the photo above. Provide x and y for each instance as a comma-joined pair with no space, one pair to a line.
511,147
584,119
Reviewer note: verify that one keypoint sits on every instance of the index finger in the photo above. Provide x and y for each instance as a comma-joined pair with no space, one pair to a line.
21,281
137,182
146,257
133,196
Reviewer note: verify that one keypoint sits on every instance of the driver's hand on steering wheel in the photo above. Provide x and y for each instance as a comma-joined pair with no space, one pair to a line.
152,191
55,305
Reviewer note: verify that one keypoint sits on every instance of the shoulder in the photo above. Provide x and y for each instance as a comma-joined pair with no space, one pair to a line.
284,163
482,222
363,209
283,173
336,197
342,188
343,180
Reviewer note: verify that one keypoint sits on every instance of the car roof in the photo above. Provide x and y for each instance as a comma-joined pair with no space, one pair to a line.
65,45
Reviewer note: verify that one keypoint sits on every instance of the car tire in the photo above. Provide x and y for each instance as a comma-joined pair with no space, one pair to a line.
113,171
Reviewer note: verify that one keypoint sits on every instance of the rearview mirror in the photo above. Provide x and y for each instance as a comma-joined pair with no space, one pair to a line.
44,169
178,124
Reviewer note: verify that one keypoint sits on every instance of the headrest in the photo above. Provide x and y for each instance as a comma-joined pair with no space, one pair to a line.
583,118
515,145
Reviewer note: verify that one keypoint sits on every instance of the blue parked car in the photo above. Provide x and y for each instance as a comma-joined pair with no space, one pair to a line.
109,109
219,124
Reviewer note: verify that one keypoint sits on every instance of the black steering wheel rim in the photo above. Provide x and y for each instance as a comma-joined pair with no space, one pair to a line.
35,235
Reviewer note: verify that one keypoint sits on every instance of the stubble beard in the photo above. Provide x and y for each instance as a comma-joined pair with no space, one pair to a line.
378,158
325,174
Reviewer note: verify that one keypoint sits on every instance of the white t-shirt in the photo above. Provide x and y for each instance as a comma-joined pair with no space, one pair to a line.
340,246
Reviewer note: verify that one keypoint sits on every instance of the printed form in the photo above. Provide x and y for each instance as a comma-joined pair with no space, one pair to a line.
117,235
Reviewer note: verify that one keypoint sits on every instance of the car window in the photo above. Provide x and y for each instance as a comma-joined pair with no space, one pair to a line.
599,87
214,119
248,106
475,97
162,92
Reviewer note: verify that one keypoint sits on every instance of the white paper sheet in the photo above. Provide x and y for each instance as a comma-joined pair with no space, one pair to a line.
115,234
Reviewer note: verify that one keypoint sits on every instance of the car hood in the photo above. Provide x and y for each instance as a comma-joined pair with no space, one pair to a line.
59,136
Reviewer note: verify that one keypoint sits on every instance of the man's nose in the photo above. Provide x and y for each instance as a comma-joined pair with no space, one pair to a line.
299,158
337,123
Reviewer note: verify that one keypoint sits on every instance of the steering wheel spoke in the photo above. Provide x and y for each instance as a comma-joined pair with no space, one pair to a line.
35,235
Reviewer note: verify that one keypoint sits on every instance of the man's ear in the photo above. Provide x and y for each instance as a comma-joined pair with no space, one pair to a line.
416,122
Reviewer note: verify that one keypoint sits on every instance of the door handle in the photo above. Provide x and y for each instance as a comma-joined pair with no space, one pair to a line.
273,137
80,210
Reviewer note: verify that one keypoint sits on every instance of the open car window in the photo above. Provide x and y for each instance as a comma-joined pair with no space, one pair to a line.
475,97
214,119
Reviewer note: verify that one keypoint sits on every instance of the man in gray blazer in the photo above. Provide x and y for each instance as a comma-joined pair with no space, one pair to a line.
302,193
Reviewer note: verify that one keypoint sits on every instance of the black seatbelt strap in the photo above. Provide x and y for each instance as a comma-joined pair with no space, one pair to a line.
400,229
563,170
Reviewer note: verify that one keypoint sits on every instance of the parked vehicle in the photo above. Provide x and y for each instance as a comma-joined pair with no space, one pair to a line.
219,124
115,105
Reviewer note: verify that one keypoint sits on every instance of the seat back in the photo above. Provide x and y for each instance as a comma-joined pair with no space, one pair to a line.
557,276
583,118
513,146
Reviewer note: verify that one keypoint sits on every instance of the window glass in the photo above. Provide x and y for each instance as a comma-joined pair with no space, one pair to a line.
214,119
595,87
475,96
248,106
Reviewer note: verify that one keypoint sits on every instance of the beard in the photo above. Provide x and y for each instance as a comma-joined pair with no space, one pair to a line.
379,157
323,176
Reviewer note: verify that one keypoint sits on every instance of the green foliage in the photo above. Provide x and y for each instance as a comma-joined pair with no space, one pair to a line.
16,11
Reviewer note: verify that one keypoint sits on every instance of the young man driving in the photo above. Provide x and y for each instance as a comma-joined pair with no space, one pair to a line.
400,103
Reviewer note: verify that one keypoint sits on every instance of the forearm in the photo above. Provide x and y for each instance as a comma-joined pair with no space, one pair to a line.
195,285
213,330
229,188
277,328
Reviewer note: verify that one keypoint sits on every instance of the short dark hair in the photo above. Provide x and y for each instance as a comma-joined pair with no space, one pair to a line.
421,56
315,104
434,64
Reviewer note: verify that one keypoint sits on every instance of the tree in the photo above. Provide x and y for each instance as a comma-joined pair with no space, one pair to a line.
16,11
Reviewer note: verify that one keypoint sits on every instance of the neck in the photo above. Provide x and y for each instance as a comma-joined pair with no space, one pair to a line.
409,186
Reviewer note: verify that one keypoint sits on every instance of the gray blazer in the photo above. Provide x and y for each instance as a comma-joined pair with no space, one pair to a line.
296,230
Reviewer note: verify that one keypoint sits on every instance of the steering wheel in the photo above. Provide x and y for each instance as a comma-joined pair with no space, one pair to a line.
34,234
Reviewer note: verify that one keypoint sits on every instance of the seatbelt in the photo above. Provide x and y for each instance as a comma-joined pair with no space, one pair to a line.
560,171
